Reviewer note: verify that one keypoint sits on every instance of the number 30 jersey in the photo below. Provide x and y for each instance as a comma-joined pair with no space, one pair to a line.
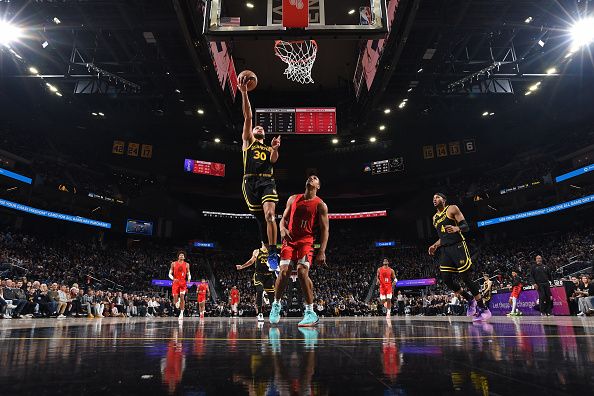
256,160
302,221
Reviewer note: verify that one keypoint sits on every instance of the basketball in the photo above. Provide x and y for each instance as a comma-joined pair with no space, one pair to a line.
251,77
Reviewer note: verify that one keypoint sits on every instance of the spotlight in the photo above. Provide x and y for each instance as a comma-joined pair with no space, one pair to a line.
217,140
57,21
101,114
409,90
552,70
351,12
486,113
33,70
9,33
44,44
582,33
541,43
387,111
372,139
401,105
420,70
58,93
200,111
528,93
491,114
249,5
353,141
178,91
528,20
534,87
51,87
405,100
334,141
95,114
382,127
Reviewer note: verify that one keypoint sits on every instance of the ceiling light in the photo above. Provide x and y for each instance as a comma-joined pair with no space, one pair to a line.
51,87
58,93
534,87
420,70
582,33
552,70
44,44
387,111
249,5
409,90
334,141
541,43
200,111
382,127
9,33
491,114
351,12
57,21
372,139
33,70
217,140
528,20
353,141
486,113
178,91
405,100
528,93
181,100
101,114
95,114
401,105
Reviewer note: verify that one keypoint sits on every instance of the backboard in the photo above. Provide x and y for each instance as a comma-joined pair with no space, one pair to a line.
227,20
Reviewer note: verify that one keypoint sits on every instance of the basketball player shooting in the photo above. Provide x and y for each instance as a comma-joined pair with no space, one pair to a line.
259,189
454,256
302,213
179,273
386,279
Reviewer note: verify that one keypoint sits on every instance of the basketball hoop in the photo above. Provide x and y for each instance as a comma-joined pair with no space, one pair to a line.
299,57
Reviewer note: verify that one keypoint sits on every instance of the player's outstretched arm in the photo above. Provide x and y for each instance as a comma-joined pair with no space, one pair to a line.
276,142
250,262
188,271
247,136
324,232
171,271
462,226
284,223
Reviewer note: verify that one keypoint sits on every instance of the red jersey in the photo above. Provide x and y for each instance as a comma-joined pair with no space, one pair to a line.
385,275
303,218
202,289
180,270
234,295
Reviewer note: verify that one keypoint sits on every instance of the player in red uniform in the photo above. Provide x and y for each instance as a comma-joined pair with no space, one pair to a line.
386,278
302,213
203,293
234,300
179,273
516,283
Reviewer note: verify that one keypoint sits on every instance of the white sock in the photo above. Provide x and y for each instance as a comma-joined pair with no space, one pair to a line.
514,303
309,307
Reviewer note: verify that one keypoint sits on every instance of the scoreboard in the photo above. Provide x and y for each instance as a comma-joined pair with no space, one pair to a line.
299,121
385,166
204,167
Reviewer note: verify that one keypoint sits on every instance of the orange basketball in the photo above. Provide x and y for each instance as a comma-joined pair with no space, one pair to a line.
251,77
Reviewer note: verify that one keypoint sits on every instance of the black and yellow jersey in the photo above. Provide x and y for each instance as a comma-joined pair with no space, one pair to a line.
261,264
256,160
440,220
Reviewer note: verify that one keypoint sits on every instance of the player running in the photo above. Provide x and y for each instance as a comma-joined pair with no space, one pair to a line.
179,273
263,279
234,301
203,294
301,215
259,188
516,284
386,279
454,257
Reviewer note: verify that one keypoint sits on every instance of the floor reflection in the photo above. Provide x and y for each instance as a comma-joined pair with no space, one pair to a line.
239,356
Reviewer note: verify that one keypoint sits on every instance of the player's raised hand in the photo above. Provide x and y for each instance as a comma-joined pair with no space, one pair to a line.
276,142
242,84
238,266
321,258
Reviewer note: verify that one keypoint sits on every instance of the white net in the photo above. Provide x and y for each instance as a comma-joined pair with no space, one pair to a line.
299,57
